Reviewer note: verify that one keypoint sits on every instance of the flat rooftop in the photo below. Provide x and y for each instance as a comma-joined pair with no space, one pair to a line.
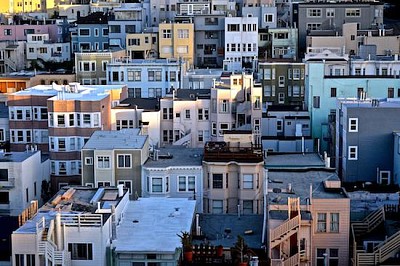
151,225
176,156
16,157
369,103
295,160
116,139
223,229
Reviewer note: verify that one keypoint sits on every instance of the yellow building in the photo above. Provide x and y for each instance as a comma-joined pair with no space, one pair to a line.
142,45
24,6
176,40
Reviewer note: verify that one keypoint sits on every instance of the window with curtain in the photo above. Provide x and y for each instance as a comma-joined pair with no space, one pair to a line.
321,222
334,223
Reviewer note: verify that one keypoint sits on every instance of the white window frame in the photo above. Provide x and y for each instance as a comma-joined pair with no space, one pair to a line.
101,163
352,155
248,181
353,122
88,160
314,12
381,178
125,182
124,161
353,12
186,180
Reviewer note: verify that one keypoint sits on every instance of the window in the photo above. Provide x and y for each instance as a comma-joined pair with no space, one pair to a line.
281,97
7,32
353,12
213,129
330,13
313,12
86,119
353,124
390,93
154,75
224,106
166,34
233,27
327,257
186,183
257,102
217,206
84,32
124,161
247,207
313,26
223,127
353,153
321,253
103,162
183,33
61,144
80,251
269,18
333,92
127,184
279,125
211,21
61,120
134,75
334,223
115,29
103,184
281,81
4,197
321,222
217,181
247,181
187,114
88,160
3,174
384,177
156,185
316,101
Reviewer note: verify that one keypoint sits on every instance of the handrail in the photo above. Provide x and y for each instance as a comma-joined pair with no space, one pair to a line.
292,261
284,228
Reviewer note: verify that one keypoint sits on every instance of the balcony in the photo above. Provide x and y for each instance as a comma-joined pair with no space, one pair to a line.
223,152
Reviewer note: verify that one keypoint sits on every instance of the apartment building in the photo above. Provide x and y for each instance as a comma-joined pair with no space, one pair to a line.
20,32
327,18
75,227
12,56
162,11
146,78
209,36
233,175
91,67
111,158
283,83
241,43
142,45
73,11
236,105
308,212
38,46
176,40
91,33
185,118
364,151
174,172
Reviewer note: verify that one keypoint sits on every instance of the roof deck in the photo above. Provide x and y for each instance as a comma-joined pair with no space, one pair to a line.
221,151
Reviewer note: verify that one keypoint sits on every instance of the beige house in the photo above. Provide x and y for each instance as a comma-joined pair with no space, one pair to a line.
308,213
176,40
142,45
91,67
233,176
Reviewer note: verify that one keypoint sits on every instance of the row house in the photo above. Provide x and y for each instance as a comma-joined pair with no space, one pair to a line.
152,78
235,105
358,133
20,32
308,218
59,120
233,173
241,43
162,11
76,227
283,83
38,46
73,11
142,45
111,158
185,118
176,40
174,172
12,56
103,5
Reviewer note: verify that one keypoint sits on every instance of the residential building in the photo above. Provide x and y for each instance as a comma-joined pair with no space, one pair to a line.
283,83
265,11
329,81
308,218
209,36
73,12
233,176
128,18
12,83
15,33
39,47
4,127
143,113
91,33
162,11
75,227
201,78
284,43
241,43
371,64
364,151
396,155
185,118
190,9
91,67
104,5
142,45
176,40
174,172
154,236
12,56
236,105
327,18
146,78
111,158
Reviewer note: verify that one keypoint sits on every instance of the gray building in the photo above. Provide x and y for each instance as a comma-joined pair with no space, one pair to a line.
364,140
328,17
111,158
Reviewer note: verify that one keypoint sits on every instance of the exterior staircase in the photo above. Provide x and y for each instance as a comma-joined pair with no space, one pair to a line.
369,223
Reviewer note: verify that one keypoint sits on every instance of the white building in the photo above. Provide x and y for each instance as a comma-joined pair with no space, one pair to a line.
75,227
38,46
21,176
241,43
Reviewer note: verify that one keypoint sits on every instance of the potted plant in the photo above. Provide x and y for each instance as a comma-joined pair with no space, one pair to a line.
242,251
186,246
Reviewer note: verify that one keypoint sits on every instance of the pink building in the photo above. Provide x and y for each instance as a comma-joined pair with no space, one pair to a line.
20,32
